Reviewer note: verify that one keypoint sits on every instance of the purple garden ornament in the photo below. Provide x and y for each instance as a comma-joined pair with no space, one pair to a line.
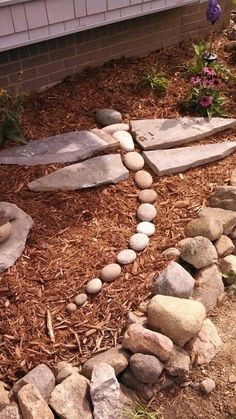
213,14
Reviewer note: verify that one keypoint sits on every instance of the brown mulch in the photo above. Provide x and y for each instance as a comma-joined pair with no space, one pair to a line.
76,233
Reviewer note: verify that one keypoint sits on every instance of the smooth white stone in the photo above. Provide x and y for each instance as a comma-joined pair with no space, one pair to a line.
126,256
146,227
110,129
146,212
70,308
125,139
5,231
143,179
110,272
94,286
80,299
138,242
147,196
133,161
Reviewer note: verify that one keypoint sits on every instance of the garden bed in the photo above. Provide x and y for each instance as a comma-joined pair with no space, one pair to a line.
77,233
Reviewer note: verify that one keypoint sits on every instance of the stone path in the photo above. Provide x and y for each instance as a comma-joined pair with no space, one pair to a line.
61,148
97,171
152,134
175,160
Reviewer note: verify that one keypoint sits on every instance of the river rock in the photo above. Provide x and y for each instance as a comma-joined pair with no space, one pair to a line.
224,246
146,212
143,179
126,256
12,248
228,269
70,308
145,391
179,363
198,251
145,368
117,358
106,117
4,398
138,339
125,139
10,412
41,376
133,161
172,252
224,197
227,218
132,318
80,299
208,227
138,242
65,370
110,272
233,174
209,288
147,196
70,399
108,400
5,231
207,386
177,318
94,286
206,345
174,281
32,404
110,129
145,227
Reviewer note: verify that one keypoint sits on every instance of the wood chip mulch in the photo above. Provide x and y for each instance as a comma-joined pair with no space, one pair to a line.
76,233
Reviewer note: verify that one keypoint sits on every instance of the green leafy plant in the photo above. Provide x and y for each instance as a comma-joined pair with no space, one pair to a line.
11,108
142,412
156,81
205,97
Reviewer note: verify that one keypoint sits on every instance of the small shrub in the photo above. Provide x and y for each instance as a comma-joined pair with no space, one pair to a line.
156,81
11,108
205,97
143,412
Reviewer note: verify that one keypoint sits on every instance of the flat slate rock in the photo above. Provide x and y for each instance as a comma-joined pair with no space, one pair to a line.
61,148
12,248
93,172
165,162
153,134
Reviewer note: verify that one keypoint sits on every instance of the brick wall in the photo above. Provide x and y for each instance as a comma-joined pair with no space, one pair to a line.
50,61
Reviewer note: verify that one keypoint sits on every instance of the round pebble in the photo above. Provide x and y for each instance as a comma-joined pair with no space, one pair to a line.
143,179
146,227
70,308
147,196
125,139
138,242
146,212
110,272
134,161
80,299
94,286
5,231
126,256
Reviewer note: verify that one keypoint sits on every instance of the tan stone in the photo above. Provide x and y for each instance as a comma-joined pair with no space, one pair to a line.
209,287
208,227
204,347
32,404
227,218
116,357
224,246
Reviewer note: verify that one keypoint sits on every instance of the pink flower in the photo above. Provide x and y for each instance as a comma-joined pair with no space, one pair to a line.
209,71
206,101
196,80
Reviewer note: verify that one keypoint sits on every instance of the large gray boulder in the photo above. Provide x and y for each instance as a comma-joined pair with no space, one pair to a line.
177,318
198,251
12,248
174,281
107,117
145,368
107,398
224,197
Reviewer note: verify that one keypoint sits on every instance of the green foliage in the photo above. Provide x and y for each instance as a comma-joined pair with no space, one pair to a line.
143,412
156,81
11,108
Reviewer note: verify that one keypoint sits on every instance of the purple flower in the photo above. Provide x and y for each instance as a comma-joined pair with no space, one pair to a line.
206,101
196,80
209,71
